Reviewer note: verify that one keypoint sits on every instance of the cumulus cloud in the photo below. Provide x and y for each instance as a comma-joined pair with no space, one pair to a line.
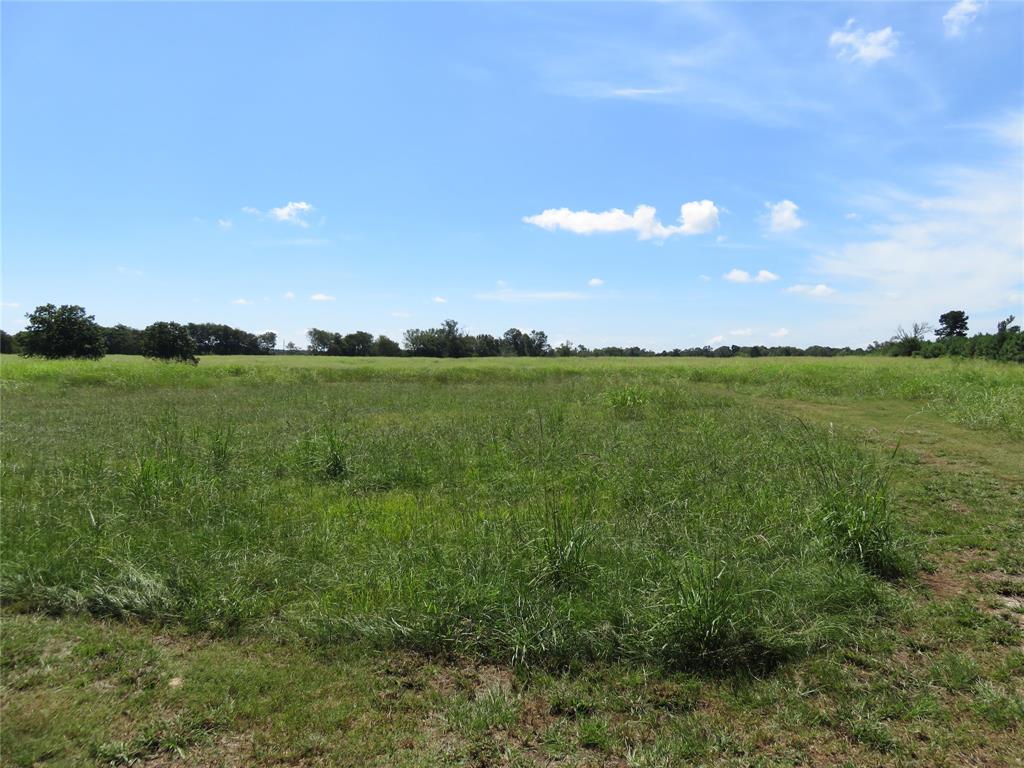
716,340
513,296
820,290
224,224
595,282
782,216
291,213
321,297
742,276
855,44
960,16
440,300
779,333
851,216
695,218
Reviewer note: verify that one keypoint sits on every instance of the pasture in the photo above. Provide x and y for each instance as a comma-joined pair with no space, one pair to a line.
594,561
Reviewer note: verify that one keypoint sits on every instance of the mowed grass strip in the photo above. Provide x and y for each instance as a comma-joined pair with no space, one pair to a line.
533,515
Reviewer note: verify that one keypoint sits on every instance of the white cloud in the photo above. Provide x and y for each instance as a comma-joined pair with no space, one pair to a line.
130,271
638,93
224,224
779,333
513,296
595,282
321,297
742,332
855,44
721,239
742,276
819,290
440,300
706,278
10,304
292,213
782,216
851,216
716,340
289,295
961,16
401,313
695,218
241,301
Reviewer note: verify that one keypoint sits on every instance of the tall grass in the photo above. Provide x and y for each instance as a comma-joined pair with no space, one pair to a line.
532,516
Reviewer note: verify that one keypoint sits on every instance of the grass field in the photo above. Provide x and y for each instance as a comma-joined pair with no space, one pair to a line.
326,561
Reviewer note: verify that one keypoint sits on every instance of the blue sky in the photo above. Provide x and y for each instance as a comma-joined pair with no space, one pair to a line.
656,174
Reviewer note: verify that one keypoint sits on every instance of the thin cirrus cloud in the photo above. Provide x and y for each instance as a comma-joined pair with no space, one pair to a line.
742,276
241,301
440,300
960,16
321,297
779,333
512,296
742,332
818,291
695,218
855,44
290,213
783,217
595,282
289,295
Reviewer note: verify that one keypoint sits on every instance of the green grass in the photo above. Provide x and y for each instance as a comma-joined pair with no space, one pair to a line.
591,527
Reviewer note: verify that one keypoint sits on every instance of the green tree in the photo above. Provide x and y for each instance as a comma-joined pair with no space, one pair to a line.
952,324
64,331
385,347
6,343
169,341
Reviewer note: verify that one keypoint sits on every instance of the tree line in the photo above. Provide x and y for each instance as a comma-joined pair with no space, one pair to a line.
951,340
67,331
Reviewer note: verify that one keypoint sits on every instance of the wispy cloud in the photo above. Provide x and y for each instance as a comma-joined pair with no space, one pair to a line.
131,272
782,216
695,218
289,295
401,313
716,340
742,332
595,282
321,297
855,44
818,291
960,16
291,213
440,300
513,296
779,333
241,301
9,304
742,276
224,224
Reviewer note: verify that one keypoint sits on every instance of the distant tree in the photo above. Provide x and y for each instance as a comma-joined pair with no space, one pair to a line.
512,342
536,344
266,342
952,324
907,343
356,344
323,342
6,343
485,345
385,347
122,340
169,341
64,331
290,347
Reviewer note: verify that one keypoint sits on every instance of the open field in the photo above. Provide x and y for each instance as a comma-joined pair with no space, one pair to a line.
326,561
